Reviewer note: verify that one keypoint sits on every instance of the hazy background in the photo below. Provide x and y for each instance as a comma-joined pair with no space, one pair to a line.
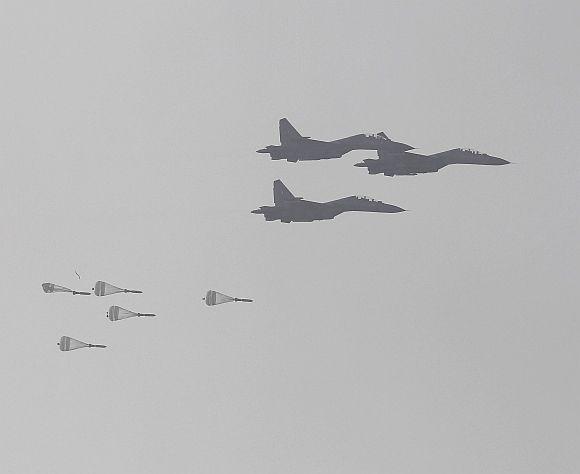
441,340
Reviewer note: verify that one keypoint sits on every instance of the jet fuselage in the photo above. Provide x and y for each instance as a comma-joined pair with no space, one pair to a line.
299,210
308,150
295,147
410,164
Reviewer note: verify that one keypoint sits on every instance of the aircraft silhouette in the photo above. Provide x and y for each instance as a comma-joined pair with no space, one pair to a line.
410,164
288,208
294,147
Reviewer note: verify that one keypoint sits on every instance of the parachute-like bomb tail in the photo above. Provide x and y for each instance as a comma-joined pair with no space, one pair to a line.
48,287
52,288
213,297
67,343
117,313
102,288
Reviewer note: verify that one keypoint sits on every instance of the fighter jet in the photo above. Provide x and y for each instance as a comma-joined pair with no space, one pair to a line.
288,208
410,164
294,147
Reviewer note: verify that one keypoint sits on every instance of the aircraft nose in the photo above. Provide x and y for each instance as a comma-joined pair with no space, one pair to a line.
390,208
494,160
262,150
360,165
256,211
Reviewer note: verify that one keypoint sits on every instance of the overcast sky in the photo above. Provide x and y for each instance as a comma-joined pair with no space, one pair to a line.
440,340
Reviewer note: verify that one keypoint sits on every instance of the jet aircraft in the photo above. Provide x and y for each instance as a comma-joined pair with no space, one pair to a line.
288,208
294,147
410,164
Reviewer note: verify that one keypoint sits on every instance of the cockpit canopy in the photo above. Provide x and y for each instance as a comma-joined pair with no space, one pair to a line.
377,136
365,198
471,151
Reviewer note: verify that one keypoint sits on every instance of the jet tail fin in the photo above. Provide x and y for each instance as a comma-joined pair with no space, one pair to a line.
282,193
288,133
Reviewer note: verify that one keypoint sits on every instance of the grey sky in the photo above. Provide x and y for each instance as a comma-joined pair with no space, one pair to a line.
439,340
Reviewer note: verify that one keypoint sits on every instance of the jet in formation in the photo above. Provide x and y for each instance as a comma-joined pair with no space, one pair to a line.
288,208
294,147
410,164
